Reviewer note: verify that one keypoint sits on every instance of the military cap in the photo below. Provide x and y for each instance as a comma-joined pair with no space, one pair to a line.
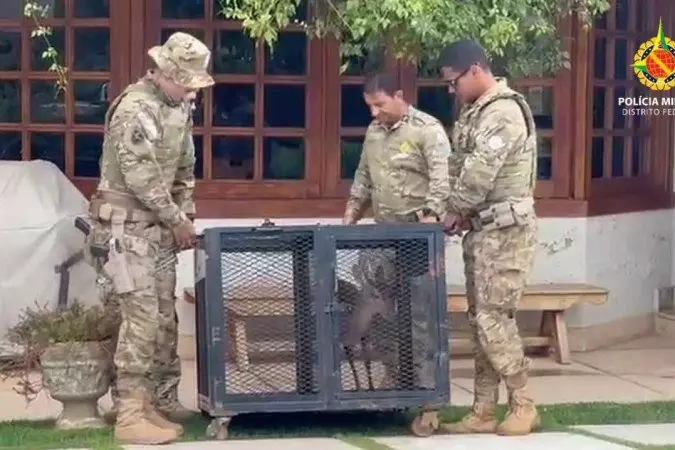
184,59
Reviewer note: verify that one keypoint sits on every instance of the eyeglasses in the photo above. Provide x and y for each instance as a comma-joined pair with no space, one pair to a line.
453,83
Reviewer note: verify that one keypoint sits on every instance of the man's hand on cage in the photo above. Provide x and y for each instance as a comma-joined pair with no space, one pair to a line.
185,235
453,225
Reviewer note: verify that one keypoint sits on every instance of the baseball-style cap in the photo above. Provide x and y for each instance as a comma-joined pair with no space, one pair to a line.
462,54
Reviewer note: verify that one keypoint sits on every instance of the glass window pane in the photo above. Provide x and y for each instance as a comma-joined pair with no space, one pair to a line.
365,65
167,32
10,50
600,58
199,156
621,64
91,8
289,55
350,154
91,101
39,46
10,101
619,120
597,157
617,156
234,105
46,103
49,147
233,52
353,109
88,148
183,9
283,158
284,106
601,22
544,158
92,49
232,158
540,100
637,156
436,101
10,145
599,108
622,14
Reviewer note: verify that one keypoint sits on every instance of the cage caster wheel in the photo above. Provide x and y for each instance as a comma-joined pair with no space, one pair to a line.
425,424
217,429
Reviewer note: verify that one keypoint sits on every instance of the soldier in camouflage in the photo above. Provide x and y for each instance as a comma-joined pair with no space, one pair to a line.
403,175
492,177
143,210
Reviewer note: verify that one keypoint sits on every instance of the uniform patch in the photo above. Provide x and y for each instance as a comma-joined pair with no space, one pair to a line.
405,147
495,143
136,136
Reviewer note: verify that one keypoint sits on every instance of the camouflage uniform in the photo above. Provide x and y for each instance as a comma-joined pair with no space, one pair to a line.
493,173
402,170
145,191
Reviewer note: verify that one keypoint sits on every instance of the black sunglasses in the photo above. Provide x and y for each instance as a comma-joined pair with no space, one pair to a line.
453,83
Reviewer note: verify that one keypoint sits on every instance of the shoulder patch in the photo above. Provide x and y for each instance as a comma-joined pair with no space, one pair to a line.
136,135
495,143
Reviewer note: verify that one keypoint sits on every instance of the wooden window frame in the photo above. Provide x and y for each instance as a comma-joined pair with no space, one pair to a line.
116,76
651,189
224,195
569,193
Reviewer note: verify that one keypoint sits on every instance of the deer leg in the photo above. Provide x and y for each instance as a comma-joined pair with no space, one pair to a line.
368,363
349,353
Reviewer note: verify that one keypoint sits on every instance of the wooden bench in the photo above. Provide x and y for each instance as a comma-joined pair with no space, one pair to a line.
239,310
552,300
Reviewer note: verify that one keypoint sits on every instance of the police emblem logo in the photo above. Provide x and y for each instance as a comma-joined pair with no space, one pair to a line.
654,62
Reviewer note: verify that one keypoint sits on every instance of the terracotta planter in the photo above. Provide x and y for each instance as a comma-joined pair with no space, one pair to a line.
77,374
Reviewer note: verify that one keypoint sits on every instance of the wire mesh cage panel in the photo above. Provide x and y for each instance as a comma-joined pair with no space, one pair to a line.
320,318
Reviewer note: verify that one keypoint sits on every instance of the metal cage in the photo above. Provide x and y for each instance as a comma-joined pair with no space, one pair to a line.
321,318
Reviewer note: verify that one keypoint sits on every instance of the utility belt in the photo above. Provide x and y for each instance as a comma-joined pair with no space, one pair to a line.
106,205
118,209
502,215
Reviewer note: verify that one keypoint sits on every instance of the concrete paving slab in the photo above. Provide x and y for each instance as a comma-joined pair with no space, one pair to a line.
538,441
638,361
580,389
646,342
257,444
648,434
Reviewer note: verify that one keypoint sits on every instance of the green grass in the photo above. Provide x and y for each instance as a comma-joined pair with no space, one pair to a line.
354,428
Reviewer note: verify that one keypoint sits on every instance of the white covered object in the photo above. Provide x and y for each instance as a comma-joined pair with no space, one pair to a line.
38,207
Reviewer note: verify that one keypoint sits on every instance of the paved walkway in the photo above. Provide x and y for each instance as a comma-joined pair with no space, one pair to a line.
601,437
637,371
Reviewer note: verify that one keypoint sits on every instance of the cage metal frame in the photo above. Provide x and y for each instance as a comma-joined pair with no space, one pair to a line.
212,322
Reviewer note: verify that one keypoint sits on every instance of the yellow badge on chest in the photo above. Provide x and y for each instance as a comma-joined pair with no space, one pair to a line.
405,147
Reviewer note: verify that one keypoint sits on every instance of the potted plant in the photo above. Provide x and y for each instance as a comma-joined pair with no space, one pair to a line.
72,350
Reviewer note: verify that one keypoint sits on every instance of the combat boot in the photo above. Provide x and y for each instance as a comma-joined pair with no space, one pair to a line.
133,427
156,418
522,417
481,419
174,411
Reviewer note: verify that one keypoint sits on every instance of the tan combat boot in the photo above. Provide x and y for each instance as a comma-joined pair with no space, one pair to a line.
156,418
133,427
522,417
481,419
